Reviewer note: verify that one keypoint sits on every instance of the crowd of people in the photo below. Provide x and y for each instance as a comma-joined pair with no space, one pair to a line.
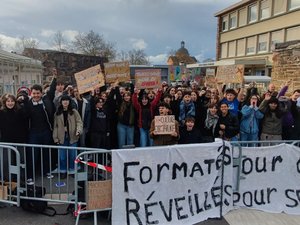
121,116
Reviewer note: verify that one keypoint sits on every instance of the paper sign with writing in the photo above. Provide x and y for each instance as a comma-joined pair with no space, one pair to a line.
89,79
99,194
165,124
230,74
117,71
148,78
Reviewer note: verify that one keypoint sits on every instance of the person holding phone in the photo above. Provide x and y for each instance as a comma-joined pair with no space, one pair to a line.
251,115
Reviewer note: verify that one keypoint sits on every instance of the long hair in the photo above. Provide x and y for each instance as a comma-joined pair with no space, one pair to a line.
60,108
5,98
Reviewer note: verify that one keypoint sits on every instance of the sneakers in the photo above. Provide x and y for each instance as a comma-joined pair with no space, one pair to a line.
30,181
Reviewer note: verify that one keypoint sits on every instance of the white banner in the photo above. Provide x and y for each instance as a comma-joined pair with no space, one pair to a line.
178,184
271,179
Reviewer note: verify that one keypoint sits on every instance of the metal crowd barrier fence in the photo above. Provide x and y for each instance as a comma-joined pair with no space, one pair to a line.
9,175
45,167
40,166
95,166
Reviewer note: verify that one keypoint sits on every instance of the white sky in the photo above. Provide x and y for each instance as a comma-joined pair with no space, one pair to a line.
156,26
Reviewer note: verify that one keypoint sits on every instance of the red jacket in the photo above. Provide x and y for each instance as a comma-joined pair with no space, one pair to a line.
138,106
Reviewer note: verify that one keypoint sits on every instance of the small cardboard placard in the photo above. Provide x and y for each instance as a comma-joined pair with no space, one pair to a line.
99,194
117,71
230,74
164,124
89,79
147,78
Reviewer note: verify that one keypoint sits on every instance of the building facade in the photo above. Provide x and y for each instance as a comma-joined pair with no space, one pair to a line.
66,63
18,71
248,31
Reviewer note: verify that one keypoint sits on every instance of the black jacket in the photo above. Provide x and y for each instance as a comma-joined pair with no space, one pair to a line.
232,126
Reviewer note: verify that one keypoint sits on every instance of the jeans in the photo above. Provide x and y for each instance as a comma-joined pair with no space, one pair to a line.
34,155
249,137
145,139
67,157
125,135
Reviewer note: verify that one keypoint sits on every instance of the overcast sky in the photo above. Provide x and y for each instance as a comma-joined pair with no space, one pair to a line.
156,26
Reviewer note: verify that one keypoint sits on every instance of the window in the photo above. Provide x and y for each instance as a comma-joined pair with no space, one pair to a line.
279,6
263,43
252,13
224,23
231,49
264,9
232,20
293,4
250,45
293,34
242,17
224,50
276,37
241,47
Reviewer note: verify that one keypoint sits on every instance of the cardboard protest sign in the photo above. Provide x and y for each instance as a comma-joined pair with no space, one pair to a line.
117,71
230,74
164,124
99,194
170,185
148,78
89,79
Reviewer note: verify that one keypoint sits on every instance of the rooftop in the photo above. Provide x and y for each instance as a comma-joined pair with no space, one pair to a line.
13,57
233,7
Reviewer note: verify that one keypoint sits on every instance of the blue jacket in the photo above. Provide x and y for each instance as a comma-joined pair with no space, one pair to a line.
250,119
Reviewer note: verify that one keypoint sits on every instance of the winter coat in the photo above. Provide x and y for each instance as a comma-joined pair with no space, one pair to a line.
75,126
250,119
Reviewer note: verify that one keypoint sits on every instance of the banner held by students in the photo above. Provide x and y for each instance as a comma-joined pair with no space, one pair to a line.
178,184
271,179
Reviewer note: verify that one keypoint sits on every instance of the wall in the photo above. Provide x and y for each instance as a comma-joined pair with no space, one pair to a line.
286,64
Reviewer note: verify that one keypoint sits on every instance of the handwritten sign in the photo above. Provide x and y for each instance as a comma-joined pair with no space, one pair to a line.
164,124
89,79
230,74
117,71
99,194
148,78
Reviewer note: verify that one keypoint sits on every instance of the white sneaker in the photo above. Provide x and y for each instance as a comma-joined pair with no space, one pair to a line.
30,181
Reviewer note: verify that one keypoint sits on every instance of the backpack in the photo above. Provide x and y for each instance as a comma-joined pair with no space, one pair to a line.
37,206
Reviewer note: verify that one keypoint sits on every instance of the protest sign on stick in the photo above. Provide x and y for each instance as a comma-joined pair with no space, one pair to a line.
117,71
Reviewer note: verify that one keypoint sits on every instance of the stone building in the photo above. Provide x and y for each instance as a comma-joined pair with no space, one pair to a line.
66,63
286,64
18,71
181,56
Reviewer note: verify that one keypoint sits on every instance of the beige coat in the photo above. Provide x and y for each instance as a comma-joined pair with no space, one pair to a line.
75,126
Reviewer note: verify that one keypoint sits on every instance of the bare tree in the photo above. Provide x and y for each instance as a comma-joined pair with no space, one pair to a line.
94,44
172,52
59,41
135,57
26,43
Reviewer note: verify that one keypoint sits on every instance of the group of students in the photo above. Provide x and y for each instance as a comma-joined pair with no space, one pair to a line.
119,116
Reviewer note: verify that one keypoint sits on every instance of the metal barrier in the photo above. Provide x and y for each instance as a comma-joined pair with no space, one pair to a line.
94,164
9,175
41,166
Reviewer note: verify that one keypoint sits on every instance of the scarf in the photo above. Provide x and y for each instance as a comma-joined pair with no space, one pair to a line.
186,110
211,121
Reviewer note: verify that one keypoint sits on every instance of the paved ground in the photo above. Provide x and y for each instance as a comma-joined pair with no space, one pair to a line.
17,216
